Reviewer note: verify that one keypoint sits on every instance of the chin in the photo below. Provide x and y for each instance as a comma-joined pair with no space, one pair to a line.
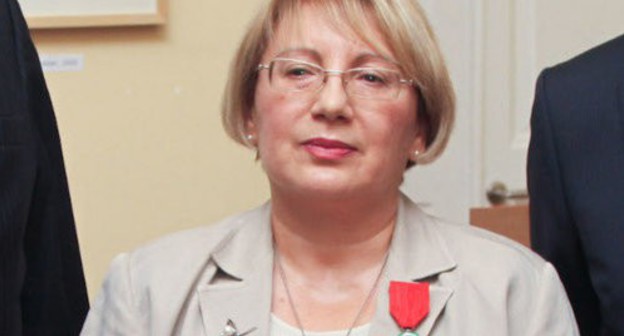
334,188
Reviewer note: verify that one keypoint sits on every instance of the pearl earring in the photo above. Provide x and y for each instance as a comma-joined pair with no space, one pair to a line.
415,155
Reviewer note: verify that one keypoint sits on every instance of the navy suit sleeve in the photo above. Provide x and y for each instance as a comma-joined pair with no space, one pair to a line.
17,175
554,233
42,289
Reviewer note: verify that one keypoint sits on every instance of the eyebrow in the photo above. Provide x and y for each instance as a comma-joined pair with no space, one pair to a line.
315,54
362,57
372,56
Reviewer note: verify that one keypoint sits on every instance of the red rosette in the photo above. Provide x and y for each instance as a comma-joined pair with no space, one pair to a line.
409,303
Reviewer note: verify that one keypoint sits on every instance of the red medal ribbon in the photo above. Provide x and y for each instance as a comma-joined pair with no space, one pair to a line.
409,303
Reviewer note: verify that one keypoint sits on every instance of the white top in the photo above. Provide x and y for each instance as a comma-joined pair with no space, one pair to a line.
281,328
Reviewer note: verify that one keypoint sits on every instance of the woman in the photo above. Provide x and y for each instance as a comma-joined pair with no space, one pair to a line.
338,97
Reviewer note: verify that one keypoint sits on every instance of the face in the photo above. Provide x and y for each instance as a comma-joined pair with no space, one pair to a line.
328,143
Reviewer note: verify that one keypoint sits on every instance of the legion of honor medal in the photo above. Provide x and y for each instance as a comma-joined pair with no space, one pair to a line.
409,305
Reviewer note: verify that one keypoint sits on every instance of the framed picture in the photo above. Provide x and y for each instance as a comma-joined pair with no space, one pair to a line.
92,13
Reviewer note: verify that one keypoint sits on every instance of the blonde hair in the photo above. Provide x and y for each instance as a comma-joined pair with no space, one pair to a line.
404,27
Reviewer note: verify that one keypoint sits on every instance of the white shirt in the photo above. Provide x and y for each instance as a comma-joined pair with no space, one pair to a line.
281,328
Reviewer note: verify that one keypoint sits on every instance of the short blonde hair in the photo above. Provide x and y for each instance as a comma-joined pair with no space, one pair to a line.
404,27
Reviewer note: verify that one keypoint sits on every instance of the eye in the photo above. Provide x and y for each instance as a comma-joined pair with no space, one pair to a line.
369,77
373,77
298,71
295,76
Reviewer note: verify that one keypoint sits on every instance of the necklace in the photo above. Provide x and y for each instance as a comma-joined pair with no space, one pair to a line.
291,303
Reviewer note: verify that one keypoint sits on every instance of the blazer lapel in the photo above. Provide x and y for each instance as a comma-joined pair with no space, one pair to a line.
240,288
247,304
417,253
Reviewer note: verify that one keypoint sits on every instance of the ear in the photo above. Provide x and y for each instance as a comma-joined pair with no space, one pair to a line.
251,131
418,148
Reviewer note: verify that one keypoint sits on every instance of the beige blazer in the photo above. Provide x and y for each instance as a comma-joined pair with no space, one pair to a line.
192,282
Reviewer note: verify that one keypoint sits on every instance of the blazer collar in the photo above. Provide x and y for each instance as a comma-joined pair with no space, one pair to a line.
248,248
240,287
417,253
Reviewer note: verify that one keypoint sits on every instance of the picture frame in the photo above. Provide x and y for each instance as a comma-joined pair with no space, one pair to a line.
48,14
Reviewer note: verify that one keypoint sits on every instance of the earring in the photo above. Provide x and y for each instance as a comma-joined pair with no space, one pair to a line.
249,137
415,155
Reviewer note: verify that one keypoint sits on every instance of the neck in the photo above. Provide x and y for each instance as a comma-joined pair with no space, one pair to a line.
340,234
333,252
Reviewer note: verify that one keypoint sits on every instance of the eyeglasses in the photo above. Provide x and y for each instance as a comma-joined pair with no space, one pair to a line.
291,75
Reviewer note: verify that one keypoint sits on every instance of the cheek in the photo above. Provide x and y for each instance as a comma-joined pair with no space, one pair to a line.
275,117
396,128
274,109
407,122
267,108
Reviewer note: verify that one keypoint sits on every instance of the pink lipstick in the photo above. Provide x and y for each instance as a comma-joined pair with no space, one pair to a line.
327,149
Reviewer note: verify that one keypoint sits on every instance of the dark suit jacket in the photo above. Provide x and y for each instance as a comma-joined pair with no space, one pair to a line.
42,289
576,182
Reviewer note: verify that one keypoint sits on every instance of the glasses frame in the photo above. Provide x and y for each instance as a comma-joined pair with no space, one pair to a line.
331,72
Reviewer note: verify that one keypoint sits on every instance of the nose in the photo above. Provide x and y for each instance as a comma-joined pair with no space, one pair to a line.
332,100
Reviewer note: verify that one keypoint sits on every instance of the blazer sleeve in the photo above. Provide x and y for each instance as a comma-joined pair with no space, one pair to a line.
115,311
554,233
551,313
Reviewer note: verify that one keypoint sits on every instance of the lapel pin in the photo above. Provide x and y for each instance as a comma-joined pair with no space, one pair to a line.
409,305
230,330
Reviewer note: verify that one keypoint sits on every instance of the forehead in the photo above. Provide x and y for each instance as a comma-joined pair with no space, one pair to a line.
327,31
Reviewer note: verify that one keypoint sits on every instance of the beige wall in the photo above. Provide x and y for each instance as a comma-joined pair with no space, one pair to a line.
141,131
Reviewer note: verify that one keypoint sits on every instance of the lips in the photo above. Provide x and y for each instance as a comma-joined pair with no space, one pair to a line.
328,149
